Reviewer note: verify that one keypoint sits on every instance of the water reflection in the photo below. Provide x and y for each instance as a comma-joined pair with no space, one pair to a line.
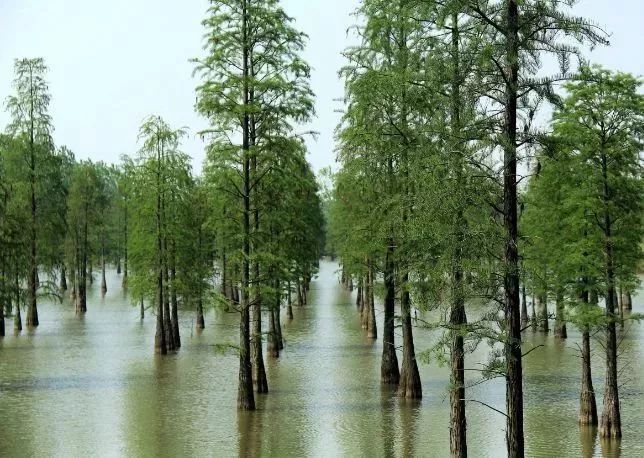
588,440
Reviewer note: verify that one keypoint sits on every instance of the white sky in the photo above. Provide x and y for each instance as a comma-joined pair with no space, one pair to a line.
113,63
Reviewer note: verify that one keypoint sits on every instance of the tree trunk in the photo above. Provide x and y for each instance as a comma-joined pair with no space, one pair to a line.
513,355
63,278
300,299
372,329
289,305
224,278
533,320
278,320
160,343
542,310
167,314
259,370
201,324
142,309
174,302
561,331
524,308
620,307
458,422
2,331
409,386
628,301
610,425
389,373
587,403
103,281
272,347
245,396
81,296
458,319
17,317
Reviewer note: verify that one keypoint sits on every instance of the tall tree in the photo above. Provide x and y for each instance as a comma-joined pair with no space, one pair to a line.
521,32
29,108
255,85
602,123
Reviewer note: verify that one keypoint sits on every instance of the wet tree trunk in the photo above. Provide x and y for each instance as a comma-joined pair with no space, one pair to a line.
103,281
389,373
174,302
300,299
359,292
628,301
224,278
542,310
610,425
142,309
73,280
289,305
17,318
160,344
259,370
513,355
167,315
273,346
458,319
2,331
32,278
201,323
278,321
620,307
364,310
409,386
533,320
245,396
587,403
81,296
524,308
90,275
372,327
63,278
561,331
236,294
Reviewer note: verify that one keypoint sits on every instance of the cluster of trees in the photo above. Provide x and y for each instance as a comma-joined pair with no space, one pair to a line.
59,216
448,196
247,234
254,92
452,196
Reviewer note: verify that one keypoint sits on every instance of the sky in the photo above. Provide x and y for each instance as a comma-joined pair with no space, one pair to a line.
113,63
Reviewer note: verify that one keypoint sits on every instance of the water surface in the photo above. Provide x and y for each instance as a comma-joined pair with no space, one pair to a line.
91,386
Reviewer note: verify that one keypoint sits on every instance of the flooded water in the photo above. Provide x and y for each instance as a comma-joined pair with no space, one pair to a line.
91,386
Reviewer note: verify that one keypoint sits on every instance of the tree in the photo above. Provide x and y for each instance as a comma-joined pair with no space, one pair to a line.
160,176
520,33
255,86
601,124
31,123
83,218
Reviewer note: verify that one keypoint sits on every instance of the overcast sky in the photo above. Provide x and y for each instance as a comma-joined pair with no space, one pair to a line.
113,63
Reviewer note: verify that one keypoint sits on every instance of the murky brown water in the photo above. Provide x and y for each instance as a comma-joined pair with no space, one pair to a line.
91,386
